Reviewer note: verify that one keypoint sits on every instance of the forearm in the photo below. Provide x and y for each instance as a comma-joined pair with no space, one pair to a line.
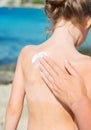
12,119
10,123
82,111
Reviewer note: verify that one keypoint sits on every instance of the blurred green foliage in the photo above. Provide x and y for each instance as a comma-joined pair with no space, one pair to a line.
11,2
23,1
33,1
38,1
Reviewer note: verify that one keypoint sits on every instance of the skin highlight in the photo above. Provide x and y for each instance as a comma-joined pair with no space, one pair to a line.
68,87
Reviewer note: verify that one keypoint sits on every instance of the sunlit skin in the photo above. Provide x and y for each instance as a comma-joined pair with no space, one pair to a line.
45,112
68,87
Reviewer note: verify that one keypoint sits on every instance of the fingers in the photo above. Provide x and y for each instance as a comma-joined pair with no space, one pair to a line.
50,74
70,69
47,79
50,83
44,73
47,68
51,66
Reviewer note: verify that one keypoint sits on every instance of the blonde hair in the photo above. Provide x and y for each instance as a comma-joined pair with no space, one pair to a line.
74,10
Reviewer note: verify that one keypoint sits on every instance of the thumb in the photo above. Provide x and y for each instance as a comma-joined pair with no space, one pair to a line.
70,69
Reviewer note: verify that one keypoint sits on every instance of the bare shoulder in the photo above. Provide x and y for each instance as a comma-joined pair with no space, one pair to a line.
26,55
87,62
87,74
83,65
27,50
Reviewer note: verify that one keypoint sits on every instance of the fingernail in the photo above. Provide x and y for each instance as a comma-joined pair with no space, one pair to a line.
41,58
45,56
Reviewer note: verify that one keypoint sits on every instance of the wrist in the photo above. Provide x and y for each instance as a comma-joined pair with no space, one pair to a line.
80,103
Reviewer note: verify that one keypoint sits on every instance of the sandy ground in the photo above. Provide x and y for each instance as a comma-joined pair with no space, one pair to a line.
4,97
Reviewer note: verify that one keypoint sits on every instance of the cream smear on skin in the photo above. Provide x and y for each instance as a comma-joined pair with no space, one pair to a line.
38,55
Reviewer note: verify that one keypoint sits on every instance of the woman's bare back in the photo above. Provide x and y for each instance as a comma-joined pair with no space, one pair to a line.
45,111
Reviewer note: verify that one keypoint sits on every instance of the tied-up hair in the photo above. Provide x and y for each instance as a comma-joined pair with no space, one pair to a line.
74,10
55,3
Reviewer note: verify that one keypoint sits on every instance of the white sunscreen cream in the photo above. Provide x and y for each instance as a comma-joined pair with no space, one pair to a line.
39,55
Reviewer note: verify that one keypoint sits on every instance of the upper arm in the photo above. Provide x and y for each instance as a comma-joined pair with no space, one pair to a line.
18,92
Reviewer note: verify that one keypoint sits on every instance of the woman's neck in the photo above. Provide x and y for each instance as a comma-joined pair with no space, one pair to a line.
67,32
66,37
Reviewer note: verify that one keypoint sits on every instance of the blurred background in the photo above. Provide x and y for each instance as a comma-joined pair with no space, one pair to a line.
22,22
